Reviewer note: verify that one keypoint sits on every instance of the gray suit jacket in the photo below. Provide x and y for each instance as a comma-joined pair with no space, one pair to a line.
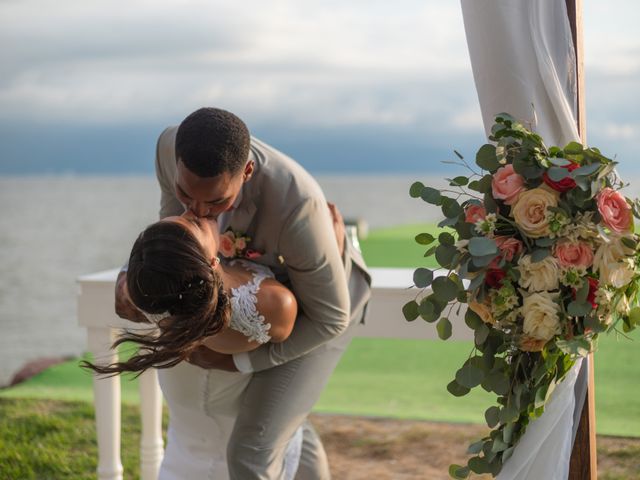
285,213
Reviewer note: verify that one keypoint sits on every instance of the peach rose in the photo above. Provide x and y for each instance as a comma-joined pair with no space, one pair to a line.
574,254
241,243
531,211
615,211
507,184
509,247
531,344
483,311
474,213
227,244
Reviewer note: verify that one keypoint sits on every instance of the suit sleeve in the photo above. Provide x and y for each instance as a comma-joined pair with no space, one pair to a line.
165,172
317,276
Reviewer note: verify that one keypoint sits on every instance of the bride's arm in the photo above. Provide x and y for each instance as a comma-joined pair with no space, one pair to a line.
279,308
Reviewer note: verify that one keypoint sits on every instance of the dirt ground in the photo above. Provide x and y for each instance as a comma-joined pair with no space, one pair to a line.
382,449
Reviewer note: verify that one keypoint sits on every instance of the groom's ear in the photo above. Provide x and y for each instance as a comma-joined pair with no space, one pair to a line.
248,171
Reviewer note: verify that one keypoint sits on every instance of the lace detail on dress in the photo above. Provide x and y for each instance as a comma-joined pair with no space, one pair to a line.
245,317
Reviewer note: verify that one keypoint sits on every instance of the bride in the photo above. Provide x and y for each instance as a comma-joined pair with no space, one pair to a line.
176,279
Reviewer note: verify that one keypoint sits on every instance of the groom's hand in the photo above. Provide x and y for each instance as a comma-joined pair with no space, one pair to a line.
338,226
204,357
124,306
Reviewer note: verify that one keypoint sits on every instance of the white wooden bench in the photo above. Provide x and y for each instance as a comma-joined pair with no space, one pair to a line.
391,290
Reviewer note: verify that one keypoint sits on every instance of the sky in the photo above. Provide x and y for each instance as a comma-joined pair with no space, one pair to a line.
364,86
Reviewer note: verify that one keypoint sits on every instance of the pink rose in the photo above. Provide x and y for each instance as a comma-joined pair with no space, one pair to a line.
509,247
507,184
474,213
227,244
615,211
574,254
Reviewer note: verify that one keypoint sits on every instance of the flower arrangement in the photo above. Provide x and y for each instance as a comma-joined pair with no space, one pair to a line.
539,243
236,245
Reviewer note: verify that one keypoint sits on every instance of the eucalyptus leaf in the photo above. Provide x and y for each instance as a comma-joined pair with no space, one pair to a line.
478,465
445,238
451,208
482,246
558,173
481,334
492,416
499,446
422,277
483,261
459,181
586,170
457,390
410,311
424,238
431,195
428,310
509,413
472,319
477,281
545,242
469,376
486,158
445,254
559,162
579,309
459,472
507,432
583,293
444,328
448,222
482,186
475,447
540,254
445,288
415,191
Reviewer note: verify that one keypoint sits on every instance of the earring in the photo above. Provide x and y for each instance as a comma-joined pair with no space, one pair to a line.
215,261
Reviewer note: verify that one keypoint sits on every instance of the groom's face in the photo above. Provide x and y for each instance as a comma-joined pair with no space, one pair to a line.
208,197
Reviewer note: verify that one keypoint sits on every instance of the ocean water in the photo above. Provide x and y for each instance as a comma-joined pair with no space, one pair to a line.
56,228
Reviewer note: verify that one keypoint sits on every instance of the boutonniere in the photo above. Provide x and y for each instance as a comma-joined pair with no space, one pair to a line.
236,245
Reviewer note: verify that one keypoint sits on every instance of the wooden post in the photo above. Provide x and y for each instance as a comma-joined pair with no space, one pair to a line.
583,464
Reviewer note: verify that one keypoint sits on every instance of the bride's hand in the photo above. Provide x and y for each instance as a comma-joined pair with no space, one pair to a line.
124,306
204,357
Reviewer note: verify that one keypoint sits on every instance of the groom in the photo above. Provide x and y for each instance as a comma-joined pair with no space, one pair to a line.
211,166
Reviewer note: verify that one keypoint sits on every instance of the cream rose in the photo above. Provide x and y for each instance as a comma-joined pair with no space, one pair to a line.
483,311
531,211
540,313
538,276
574,254
608,258
621,274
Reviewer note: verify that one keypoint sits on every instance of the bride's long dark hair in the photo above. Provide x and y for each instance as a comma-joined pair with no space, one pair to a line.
170,274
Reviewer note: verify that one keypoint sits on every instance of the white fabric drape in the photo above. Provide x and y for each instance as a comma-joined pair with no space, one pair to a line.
524,64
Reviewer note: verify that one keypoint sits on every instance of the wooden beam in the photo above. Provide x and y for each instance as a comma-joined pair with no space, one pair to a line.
583,464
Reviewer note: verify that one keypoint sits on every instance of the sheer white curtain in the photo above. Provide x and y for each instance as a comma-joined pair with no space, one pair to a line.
523,63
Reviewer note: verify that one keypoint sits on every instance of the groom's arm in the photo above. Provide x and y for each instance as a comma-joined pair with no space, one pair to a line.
308,245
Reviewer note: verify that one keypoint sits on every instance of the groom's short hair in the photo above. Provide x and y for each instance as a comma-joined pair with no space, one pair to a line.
212,141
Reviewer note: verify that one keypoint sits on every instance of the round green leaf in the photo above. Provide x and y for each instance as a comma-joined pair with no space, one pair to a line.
579,309
444,328
458,472
428,310
445,238
424,238
469,376
557,173
410,311
573,148
445,254
415,191
422,277
491,415
486,158
431,195
482,246
457,390
451,208
445,289
472,319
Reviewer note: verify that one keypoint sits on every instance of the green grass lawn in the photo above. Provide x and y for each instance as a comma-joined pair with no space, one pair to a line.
402,378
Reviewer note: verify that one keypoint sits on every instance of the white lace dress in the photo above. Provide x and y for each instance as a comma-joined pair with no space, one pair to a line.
203,404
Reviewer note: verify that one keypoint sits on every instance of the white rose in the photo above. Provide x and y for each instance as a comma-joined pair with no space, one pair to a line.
540,313
608,256
538,276
620,274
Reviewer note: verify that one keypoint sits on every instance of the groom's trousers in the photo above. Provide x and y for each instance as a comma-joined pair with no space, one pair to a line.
276,402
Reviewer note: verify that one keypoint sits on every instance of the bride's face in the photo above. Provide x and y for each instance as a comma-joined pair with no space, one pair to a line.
205,230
